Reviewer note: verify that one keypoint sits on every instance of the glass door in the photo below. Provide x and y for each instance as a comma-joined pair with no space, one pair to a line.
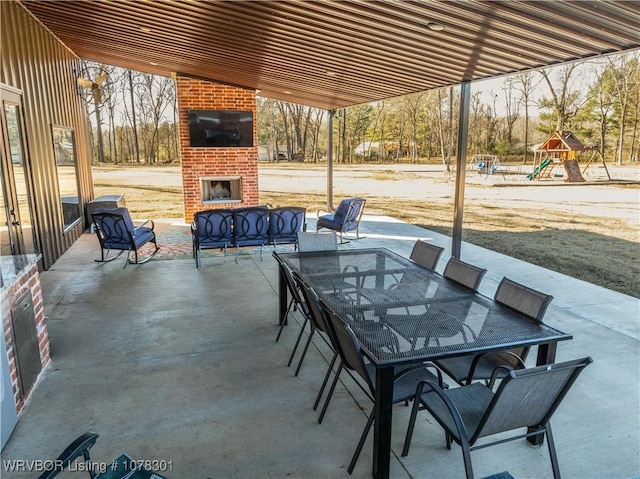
17,234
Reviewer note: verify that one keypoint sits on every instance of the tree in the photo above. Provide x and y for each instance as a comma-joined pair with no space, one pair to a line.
600,108
355,123
624,74
92,97
511,112
524,83
445,128
414,108
565,101
153,96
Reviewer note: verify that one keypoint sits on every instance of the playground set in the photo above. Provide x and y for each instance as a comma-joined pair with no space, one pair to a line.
562,147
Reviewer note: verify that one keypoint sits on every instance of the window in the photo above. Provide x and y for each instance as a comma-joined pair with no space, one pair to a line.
64,149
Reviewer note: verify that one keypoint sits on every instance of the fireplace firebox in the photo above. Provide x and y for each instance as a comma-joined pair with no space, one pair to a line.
221,189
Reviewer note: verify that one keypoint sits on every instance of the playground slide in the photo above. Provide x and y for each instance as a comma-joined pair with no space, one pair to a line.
539,169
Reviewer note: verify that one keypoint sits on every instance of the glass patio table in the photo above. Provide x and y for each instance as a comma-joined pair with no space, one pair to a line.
427,317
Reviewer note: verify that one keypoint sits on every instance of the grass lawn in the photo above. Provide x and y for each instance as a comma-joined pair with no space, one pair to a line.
589,231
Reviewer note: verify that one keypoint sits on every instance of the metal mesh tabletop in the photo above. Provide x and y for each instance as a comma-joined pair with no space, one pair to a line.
402,313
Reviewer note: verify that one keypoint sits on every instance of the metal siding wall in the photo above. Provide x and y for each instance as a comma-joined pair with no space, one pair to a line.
36,63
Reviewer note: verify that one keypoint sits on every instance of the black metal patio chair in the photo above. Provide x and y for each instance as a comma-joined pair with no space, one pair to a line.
518,297
116,231
295,303
352,358
426,254
464,274
124,467
525,398
316,321
312,241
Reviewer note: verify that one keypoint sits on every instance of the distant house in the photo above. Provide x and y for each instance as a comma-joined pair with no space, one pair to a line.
381,149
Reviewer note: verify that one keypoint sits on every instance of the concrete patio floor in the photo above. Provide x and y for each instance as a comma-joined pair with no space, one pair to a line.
172,363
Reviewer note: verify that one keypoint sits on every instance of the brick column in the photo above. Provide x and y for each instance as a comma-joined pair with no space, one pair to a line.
195,94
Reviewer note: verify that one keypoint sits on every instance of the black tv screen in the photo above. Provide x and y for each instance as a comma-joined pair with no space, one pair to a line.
220,128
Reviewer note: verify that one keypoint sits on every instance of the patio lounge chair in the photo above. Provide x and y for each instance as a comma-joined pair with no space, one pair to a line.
345,218
525,398
116,231
518,297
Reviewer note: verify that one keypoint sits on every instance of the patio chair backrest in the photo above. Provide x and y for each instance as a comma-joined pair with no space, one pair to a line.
529,397
292,285
315,310
285,223
77,449
309,241
425,254
214,228
347,345
523,299
251,226
463,273
354,210
114,227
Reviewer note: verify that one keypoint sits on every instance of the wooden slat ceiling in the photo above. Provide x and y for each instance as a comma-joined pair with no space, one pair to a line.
331,54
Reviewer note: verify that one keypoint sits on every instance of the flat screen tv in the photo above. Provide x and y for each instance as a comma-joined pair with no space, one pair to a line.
220,128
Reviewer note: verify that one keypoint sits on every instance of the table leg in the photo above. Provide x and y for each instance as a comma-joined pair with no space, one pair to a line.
282,294
546,355
382,423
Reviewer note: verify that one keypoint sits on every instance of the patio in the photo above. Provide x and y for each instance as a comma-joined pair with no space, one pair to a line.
172,363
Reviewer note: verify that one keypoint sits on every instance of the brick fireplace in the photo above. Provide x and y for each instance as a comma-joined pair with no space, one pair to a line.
216,177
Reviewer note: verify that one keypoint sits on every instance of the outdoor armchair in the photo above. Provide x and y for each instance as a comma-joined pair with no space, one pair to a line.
115,231
211,229
526,398
285,223
346,217
251,227
320,324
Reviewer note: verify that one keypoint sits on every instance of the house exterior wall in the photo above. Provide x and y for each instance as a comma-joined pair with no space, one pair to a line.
34,62
27,281
205,162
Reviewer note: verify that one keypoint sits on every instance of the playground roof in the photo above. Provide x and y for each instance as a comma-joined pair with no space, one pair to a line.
562,141
332,54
